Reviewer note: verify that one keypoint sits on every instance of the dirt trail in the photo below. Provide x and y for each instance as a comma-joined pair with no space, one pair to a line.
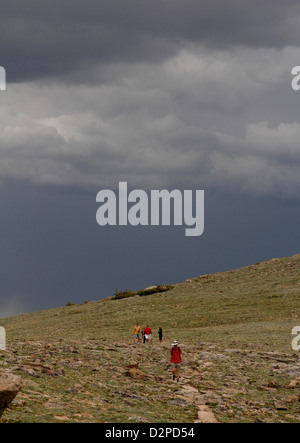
205,413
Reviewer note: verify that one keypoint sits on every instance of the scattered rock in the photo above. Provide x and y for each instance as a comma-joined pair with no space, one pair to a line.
136,374
280,406
133,365
75,389
52,404
69,350
272,384
61,417
212,356
28,371
293,384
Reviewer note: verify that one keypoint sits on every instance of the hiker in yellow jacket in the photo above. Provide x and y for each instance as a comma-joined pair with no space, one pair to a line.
137,332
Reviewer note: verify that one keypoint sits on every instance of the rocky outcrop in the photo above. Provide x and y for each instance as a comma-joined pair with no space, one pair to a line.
10,385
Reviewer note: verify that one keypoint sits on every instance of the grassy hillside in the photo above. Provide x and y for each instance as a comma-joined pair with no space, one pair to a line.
232,323
257,304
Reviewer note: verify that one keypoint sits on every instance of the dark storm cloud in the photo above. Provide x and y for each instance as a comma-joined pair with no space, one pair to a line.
54,38
52,251
193,118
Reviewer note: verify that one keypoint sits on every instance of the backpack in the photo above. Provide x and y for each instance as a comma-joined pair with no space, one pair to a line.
179,350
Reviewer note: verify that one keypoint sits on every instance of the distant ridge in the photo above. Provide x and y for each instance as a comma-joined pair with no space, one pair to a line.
230,297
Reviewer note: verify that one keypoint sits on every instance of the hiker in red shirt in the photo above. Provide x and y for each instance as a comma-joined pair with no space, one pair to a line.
175,359
148,333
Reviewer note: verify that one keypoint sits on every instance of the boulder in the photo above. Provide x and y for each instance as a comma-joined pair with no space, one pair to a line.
10,385
136,374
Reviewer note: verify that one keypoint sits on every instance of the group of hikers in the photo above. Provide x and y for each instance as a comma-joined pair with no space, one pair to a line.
145,335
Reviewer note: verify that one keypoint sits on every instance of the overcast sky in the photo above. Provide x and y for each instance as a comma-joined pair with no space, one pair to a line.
186,94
